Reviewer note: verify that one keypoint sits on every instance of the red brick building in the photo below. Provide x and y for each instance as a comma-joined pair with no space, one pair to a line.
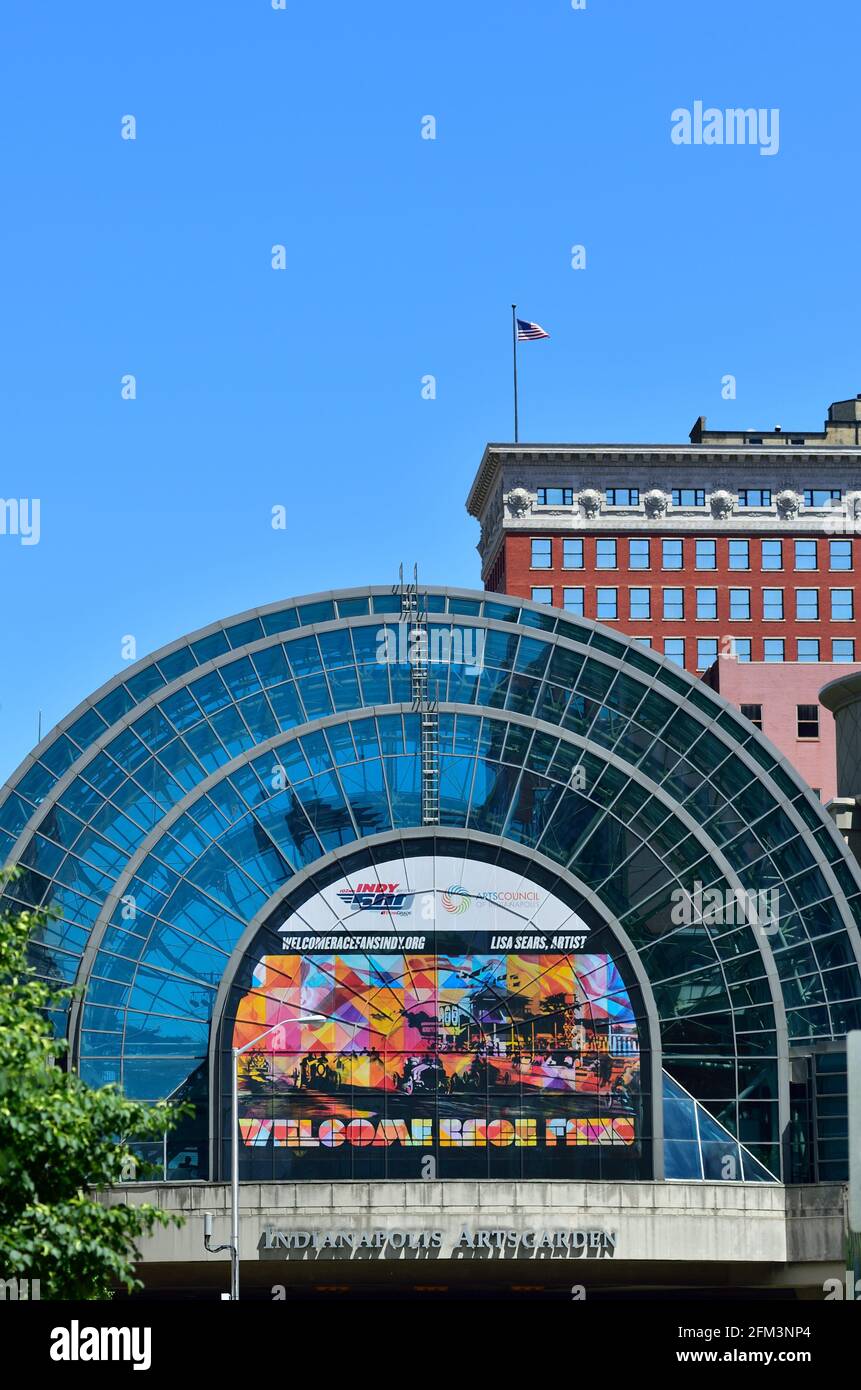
744,543
751,540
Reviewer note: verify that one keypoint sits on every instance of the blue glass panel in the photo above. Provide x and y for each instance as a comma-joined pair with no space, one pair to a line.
304,656
103,774
321,612
365,735
353,607
153,729
182,710
363,785
345,689
127,751
151,1079
240,634
60,755
221,879
316,751
87,729
207,750
144,682
341,743
176,664
682,1160
116,939
184,768
286,706
94,1044
95,1072
178,953
287,825
455,783
284,620
337,648
248,844
315,696
386,603
110,967
231,729
75,874
115,704
404,779
15,813
36,783
209,647
192,910
210,692
43,856
326,810
240,678
391,733
97,851
271,666
161,993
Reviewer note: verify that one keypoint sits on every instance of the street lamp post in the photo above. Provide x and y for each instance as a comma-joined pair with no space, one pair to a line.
234,1142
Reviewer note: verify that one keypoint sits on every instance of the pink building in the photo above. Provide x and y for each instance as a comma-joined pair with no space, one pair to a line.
782,699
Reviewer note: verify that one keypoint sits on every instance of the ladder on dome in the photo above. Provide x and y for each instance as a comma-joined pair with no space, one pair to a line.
414,618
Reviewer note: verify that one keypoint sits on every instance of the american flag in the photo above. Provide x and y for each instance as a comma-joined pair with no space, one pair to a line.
527,331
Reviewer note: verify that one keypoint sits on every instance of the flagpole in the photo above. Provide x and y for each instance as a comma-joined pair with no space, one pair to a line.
514,349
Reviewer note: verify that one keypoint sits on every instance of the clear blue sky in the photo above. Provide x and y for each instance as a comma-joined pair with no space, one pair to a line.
303,387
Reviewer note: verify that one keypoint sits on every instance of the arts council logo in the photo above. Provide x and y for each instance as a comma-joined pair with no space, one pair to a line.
456,900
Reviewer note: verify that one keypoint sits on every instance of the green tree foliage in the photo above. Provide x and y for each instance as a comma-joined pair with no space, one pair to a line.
60,1143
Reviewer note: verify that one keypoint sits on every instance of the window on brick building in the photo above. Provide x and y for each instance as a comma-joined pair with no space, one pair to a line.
772,649
674,650
605,554
572,554
542,554
808,721
772,555
707,604
805,555
821,496
640,602
707,652
808,649
674,604
842,649
706,553
740,648
772,604
807,605
572,601
739,555
842,607
638,554
739,604
671,555
607,604
840,555
542,595
754,714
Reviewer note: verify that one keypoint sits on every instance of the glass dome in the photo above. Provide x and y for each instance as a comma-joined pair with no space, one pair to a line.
174,817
